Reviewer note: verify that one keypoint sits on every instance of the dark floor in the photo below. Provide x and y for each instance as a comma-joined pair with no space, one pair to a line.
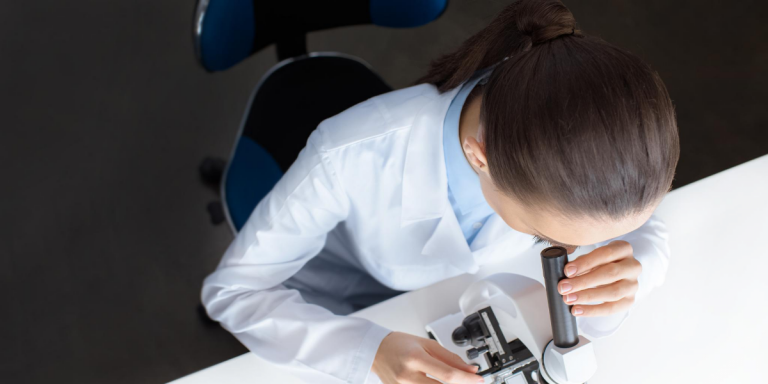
104,240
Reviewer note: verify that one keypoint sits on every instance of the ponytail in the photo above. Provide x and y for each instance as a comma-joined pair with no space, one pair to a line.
516,29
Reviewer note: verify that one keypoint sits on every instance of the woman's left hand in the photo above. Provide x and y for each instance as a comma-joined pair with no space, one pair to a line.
608,274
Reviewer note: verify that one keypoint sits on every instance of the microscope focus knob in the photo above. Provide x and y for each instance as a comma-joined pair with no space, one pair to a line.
473,353
460,336
469,332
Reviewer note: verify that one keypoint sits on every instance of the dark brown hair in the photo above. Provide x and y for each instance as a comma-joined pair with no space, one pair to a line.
569,121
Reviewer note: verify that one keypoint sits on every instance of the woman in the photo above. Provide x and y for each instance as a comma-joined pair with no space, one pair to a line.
529,128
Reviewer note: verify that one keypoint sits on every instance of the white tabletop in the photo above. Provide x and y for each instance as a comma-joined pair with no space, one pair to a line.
707,324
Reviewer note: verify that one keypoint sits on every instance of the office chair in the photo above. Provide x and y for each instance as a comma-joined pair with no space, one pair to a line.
318,85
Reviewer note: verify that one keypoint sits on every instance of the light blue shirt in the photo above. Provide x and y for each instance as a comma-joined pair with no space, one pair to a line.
464,193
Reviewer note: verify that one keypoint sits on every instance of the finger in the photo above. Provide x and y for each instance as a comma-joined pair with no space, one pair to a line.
604,309
603,275
445,372
437,351
614,251
610,292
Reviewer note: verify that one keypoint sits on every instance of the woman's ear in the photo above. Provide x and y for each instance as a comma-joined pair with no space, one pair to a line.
475,152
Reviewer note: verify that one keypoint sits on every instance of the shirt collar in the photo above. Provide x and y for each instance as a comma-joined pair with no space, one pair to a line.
463,182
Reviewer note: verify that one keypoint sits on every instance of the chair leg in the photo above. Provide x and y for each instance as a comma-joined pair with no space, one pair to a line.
211,171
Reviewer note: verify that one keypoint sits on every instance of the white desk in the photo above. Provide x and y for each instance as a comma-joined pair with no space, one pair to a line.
707,324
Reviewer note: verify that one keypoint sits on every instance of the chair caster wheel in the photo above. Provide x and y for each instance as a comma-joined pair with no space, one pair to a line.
211,170
216,211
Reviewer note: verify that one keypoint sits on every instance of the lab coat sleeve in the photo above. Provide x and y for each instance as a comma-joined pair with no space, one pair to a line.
650,248
288,228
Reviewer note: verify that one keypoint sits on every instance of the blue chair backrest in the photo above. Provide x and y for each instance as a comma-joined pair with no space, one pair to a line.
228,31
405,13
224,32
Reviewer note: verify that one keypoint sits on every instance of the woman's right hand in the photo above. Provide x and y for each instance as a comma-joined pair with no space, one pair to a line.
408,359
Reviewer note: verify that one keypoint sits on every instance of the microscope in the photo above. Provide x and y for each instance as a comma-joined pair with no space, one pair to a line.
518,331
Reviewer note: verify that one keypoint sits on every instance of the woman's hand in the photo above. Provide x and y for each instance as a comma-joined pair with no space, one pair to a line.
408,359
608,274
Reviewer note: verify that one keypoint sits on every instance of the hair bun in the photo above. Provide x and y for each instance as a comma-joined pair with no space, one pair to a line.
518,27
544,20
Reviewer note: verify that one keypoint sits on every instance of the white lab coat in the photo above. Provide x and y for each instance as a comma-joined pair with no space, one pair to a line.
369,188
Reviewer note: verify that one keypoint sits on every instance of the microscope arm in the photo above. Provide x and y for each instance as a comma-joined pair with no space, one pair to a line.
506,311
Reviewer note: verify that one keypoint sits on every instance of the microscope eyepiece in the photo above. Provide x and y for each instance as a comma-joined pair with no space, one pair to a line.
564,330
554,252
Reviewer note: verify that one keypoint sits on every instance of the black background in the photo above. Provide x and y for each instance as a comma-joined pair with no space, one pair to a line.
104,116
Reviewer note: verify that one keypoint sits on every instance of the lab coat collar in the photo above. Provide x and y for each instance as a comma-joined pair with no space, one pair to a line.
425,193
425,186
447,241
